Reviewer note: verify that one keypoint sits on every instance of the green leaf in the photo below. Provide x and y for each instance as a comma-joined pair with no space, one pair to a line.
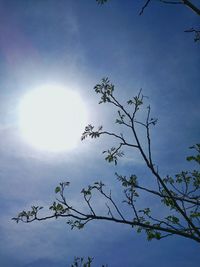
195,214
119,121
57,189
173,219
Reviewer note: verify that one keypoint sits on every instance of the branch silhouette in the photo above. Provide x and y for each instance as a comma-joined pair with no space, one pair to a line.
178,196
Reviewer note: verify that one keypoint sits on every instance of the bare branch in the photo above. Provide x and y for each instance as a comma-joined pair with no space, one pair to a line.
191,6
171,2
145,6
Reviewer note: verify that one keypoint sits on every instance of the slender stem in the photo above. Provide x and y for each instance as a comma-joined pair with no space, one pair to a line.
114,204
191,6
163,196
148,135
89,217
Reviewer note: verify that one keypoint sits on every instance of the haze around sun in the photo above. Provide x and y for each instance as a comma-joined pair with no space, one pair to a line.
52,118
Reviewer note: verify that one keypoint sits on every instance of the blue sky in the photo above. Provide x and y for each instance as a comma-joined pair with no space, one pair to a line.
76,43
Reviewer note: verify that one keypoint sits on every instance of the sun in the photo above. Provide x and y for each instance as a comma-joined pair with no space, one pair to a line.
52,118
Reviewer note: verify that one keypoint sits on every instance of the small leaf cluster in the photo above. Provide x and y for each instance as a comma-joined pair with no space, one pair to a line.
89,131
186,178
168,201
172,219
113,154
101,2
146,211
130,188
196,157
75,224
106,89
136,101
57,208
183,177
88,191
127,182
121,118
152,234
29,215
80,262
61,187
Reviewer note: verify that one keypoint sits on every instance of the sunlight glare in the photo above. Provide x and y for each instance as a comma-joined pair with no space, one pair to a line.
52,118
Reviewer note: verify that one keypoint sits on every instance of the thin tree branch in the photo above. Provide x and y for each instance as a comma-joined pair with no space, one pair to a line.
163,196
89,217
191,6
148,135
145,6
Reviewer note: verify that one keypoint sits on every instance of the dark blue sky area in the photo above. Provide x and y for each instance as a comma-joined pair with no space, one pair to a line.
76,44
